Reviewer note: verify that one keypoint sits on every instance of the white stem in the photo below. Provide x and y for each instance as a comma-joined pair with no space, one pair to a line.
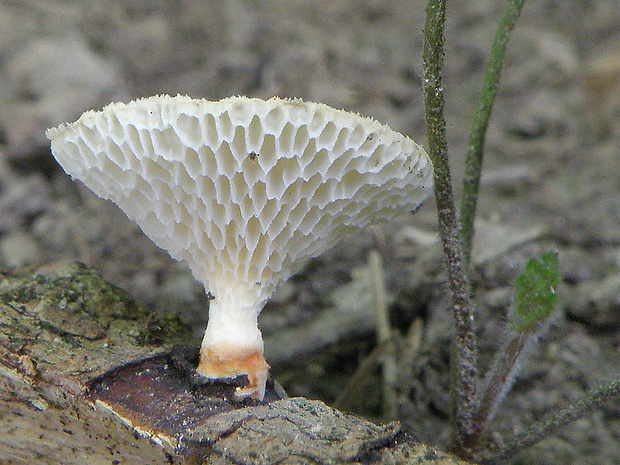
233,344
232,326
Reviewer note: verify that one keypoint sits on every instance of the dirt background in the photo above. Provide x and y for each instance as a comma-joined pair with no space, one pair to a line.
552,182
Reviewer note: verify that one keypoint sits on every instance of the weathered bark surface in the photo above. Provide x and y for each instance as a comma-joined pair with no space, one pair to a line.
77,385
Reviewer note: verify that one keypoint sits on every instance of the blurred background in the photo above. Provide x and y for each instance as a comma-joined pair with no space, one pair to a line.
552,182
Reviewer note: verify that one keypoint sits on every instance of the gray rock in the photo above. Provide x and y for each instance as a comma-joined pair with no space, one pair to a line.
19,249
21,200
51,81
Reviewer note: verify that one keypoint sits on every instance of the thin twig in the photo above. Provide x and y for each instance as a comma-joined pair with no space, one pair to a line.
465,343
384,334
555,421
473,161
362,376
413,342
499,383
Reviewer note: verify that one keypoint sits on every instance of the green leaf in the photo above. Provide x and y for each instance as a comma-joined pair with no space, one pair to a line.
535,293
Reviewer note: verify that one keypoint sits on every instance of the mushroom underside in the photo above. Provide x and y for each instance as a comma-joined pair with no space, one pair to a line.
245,191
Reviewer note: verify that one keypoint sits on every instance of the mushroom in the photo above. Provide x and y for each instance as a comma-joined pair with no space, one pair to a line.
245,191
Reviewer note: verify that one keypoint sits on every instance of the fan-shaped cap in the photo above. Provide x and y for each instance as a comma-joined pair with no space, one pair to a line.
244,190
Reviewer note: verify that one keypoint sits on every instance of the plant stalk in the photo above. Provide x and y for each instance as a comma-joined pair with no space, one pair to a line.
384,336
477,135
554,421
465,343
500,381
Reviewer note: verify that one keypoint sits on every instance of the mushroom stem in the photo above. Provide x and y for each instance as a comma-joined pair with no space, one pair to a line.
233,345
231,362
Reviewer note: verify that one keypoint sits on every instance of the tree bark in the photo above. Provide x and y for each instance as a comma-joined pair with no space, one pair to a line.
79,385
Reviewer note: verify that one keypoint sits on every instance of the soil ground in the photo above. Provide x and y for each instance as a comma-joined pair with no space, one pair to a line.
552,178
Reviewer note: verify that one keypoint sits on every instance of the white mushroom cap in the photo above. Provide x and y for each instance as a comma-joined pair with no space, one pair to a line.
245,191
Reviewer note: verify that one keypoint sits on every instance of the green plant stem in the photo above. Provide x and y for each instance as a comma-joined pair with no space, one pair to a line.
477,135
500,381
535,302
555,421
465,343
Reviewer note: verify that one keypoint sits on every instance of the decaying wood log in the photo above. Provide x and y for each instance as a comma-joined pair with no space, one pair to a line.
79,385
